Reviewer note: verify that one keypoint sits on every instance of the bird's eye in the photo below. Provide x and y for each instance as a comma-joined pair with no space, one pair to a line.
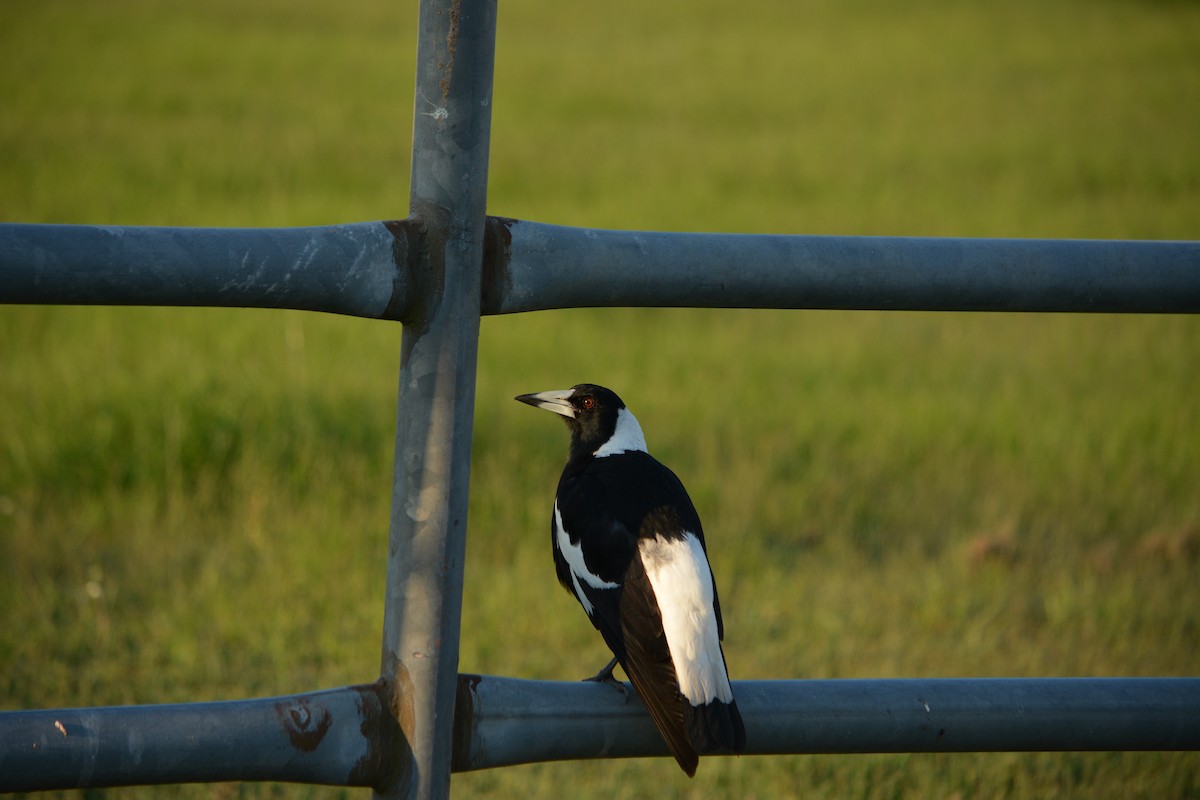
588,403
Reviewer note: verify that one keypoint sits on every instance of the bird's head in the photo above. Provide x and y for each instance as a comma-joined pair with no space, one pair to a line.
600,423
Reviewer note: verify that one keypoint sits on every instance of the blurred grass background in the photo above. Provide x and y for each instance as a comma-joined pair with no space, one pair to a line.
194,503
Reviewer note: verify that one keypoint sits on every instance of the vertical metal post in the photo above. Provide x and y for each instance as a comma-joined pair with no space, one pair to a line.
451,130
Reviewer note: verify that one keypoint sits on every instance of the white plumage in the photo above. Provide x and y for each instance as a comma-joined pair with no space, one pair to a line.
627,437
683,586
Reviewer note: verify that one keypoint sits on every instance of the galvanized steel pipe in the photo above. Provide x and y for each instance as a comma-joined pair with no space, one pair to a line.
359,269
367,269
534,266
348,736
506,721
338,737
435,412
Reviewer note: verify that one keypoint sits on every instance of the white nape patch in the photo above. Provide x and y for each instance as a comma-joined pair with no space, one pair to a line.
683,586
628,436
573,553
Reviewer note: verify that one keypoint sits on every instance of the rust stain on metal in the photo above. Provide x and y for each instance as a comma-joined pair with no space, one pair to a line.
451,46
497,250
407,241
402,700
305,723
461,751
389,723
385,756
427,232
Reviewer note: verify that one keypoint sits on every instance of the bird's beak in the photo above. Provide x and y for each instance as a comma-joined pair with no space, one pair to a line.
551,401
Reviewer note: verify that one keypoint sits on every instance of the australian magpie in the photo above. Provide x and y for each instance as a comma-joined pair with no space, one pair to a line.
629,546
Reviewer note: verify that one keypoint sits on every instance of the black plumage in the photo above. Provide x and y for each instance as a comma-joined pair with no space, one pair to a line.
629,545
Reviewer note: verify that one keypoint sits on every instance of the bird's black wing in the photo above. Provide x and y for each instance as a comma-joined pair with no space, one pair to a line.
652,501
607,546
647,487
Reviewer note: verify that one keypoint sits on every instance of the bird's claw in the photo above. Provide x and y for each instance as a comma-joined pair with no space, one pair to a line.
606,676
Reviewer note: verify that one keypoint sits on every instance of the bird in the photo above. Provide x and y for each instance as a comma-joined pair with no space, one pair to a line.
628,545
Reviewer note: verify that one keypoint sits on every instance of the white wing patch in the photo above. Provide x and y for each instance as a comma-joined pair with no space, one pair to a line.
683,587
628,436
573,554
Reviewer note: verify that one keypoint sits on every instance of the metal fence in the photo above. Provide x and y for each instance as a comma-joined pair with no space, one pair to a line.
437,272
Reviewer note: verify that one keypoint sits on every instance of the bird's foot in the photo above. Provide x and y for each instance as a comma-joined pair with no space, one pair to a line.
606,676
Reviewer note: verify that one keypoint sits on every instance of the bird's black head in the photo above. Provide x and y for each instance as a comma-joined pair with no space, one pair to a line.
594,416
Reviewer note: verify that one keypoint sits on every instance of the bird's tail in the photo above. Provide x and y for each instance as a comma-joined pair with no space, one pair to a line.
715,727
667,707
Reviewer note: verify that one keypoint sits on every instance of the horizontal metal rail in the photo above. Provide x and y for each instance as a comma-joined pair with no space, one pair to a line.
540,266
341,737
345,736
371,269
358,269
505,721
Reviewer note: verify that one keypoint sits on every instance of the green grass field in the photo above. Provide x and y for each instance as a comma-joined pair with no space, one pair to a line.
194,503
